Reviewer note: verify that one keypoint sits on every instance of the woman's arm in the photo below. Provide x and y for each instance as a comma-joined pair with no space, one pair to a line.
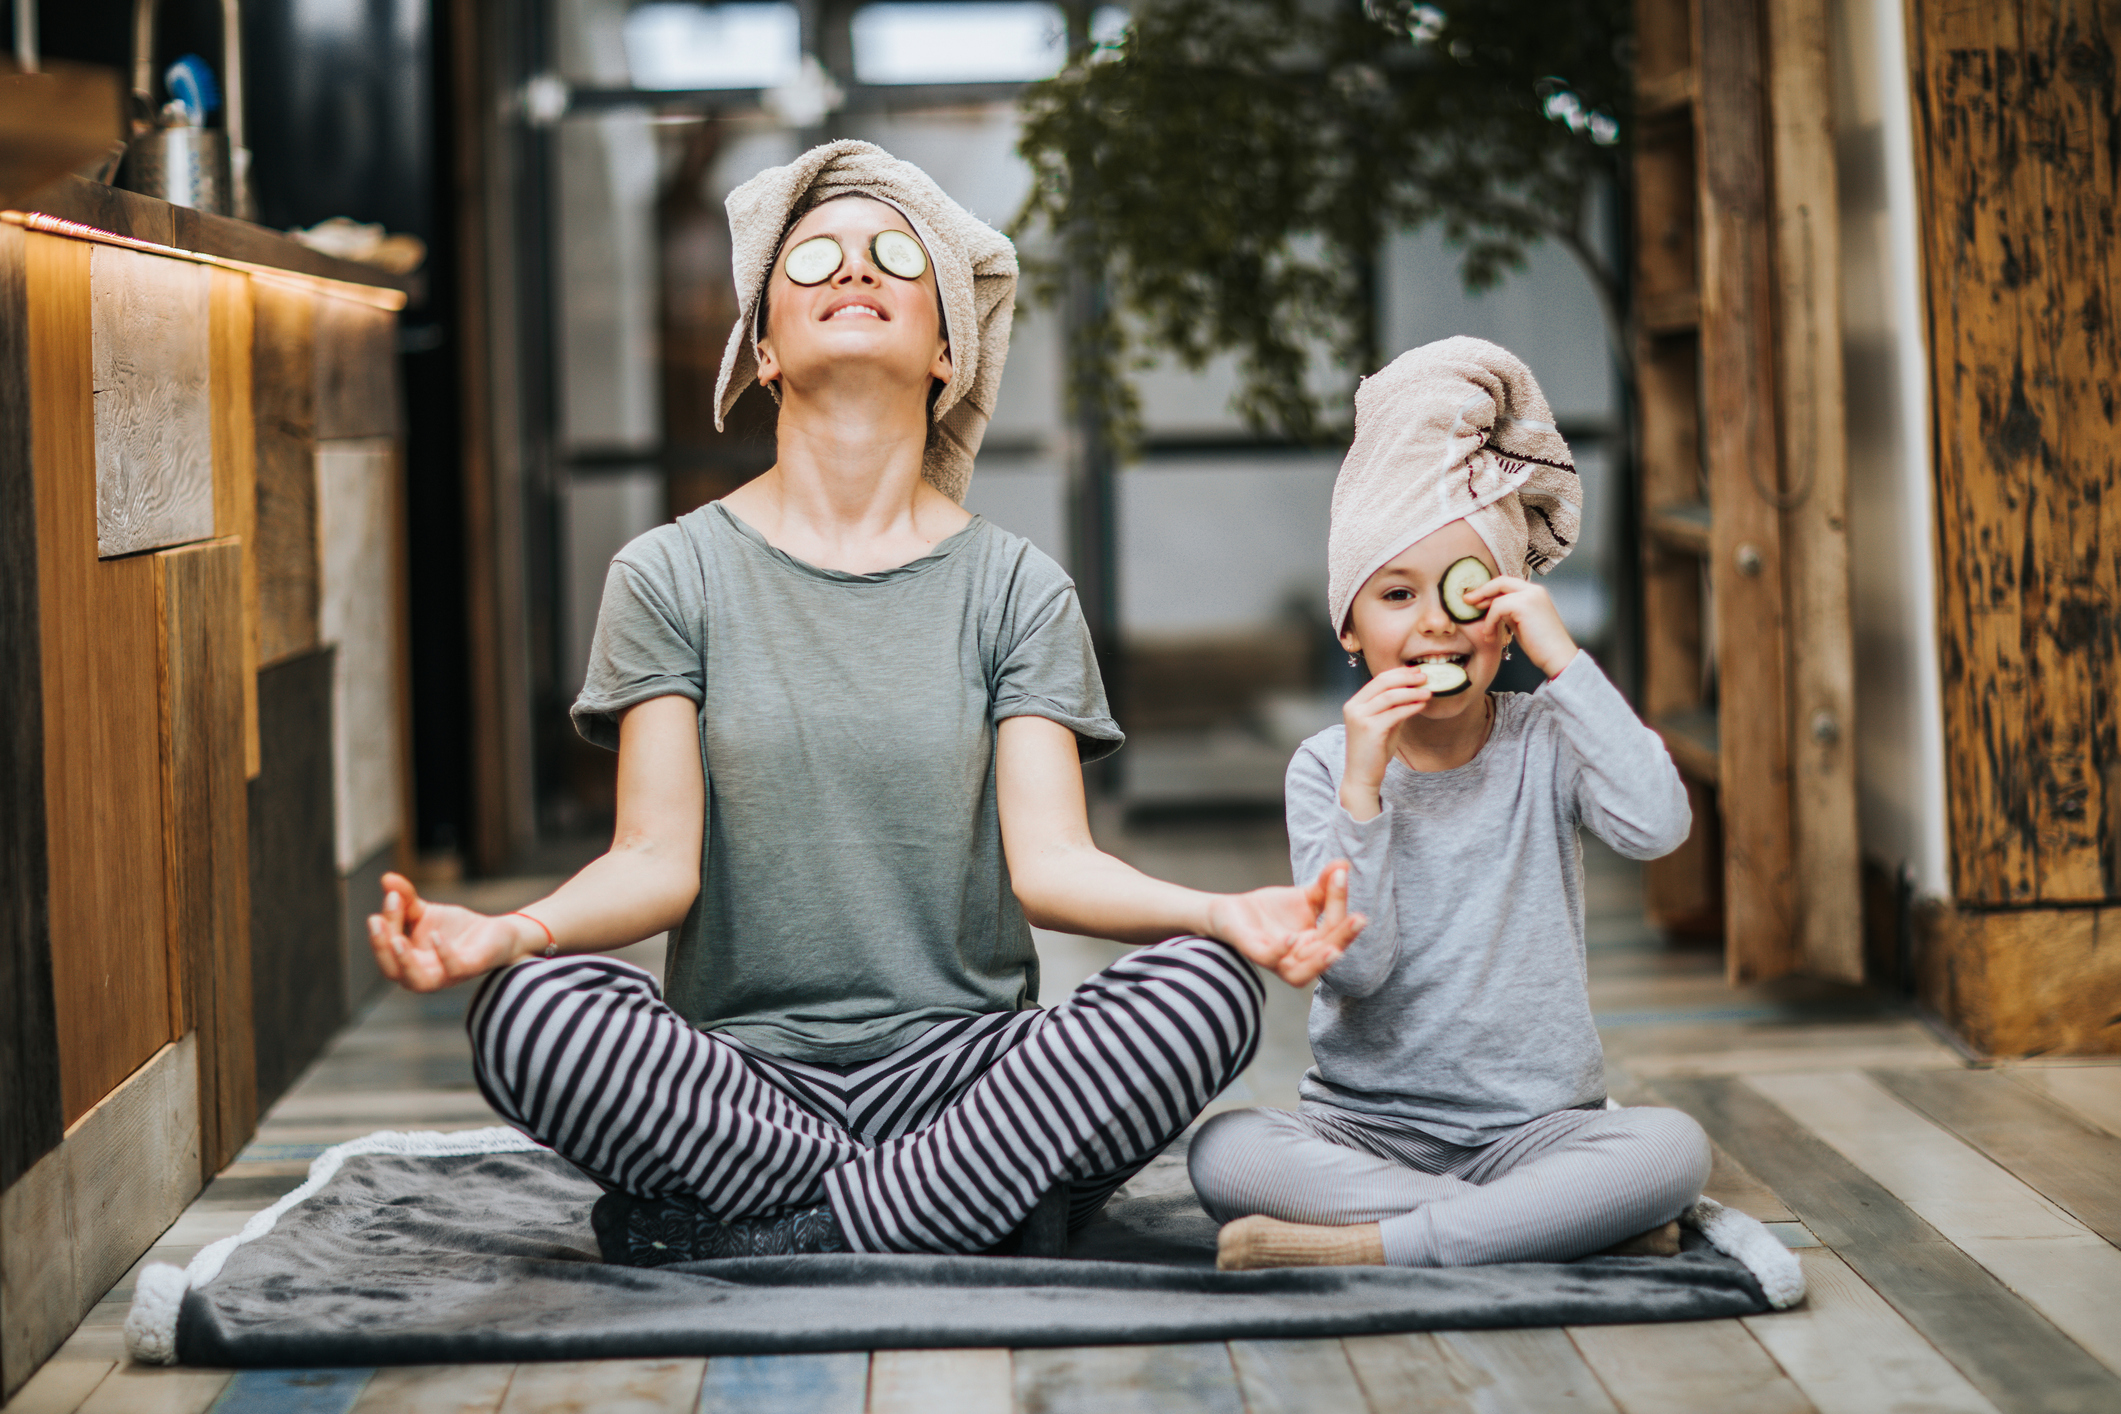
1065,881
640,887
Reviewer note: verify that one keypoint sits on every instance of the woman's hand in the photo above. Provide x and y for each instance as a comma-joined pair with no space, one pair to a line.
1528,611
1371,716
425,947
1295,933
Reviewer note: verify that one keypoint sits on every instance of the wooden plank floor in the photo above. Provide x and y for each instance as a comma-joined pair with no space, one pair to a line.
1958,1226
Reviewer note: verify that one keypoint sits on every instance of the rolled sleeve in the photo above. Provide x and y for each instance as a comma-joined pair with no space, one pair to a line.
642,650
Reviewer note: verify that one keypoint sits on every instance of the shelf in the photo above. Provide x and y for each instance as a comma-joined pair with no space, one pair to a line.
1675,313
1664,95
1684,528
1694,741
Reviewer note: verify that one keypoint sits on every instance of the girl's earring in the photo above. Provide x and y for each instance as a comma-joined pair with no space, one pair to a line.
1506,648
1353,661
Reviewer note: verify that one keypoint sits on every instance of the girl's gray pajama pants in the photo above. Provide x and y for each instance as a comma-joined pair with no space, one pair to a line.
1561,1187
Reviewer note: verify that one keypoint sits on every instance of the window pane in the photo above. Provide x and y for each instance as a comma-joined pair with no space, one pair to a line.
675,45
958,43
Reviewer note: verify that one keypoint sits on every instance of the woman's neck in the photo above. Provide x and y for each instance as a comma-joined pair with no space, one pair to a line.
845,492
1422,744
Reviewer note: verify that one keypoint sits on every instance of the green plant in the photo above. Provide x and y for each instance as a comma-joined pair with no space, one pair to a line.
1229,170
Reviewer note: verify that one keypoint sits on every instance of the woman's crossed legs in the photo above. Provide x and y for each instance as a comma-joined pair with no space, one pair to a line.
942,1146
1561,1187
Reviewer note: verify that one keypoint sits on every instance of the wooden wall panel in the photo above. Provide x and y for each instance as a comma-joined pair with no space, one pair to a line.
1745,487
89,1209
1825,846
153,400
2018,147
297,964
2024,982
357,370
102,723
359,615
284,397
30,1122
207,840
235,471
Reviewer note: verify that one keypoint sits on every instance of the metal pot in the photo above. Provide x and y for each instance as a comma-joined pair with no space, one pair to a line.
183,166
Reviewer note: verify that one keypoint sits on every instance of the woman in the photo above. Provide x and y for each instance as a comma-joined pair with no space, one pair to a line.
849,719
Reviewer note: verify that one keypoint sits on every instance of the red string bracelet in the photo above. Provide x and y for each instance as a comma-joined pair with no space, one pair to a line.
552,944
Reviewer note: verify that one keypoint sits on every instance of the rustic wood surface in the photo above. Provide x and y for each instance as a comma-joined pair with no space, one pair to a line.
235,471
152,341
1746,568
357,371
2023,982
2016,153
207,831
360,615
102,731
1877,1191
297,971
1814,432
284,397
30,1118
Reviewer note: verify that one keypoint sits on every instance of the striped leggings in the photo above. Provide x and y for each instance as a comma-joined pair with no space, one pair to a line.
944,1145
1561,1187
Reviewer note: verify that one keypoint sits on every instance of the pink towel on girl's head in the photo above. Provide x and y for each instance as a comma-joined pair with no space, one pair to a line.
1454,430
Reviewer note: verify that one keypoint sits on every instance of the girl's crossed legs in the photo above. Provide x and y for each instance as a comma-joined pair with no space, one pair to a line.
1561,1187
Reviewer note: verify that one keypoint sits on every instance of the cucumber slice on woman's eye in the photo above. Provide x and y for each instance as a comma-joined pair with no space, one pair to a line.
899,253
1445,679
813,262
1464,575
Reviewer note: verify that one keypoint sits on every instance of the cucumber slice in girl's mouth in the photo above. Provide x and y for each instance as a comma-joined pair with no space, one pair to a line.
1463,575
1446,679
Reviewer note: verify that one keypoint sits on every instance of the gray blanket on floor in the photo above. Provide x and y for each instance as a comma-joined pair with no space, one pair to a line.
400,1260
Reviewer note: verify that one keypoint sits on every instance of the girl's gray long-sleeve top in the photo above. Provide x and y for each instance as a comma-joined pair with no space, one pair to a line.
1462,1008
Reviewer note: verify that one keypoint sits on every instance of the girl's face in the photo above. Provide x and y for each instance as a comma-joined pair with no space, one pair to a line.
1398,618
859,317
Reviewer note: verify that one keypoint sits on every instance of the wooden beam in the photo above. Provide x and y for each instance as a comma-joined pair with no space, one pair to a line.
1745,488
2023,982
30,1122
2017,155
1822,661
284,396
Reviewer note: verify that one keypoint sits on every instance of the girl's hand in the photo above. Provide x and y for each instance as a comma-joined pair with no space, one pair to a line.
1528,611
1371,716
425,947
1294,933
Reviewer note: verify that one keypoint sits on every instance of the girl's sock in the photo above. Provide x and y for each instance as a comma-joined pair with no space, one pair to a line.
1255,1242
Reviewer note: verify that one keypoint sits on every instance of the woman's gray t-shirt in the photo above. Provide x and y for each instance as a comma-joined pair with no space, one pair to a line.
853,891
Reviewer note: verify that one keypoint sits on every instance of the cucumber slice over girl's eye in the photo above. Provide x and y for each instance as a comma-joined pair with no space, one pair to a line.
1463,575
1446,679
900,254
813,262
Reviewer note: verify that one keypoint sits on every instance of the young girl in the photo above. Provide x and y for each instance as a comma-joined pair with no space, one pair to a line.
1456,1113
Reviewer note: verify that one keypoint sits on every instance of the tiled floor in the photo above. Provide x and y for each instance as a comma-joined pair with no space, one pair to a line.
1958,1226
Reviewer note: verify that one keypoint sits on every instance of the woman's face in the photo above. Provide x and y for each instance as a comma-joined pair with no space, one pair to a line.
860,317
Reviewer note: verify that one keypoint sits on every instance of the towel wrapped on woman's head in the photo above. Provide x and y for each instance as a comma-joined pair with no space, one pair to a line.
1454,430
975,270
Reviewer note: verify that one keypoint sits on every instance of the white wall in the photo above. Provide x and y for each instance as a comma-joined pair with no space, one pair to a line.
1892,520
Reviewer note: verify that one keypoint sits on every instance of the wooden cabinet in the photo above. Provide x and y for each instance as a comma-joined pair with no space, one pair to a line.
198,495
1748,667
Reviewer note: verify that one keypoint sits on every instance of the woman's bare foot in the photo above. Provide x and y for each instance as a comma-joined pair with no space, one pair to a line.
1657,1242
1255,1242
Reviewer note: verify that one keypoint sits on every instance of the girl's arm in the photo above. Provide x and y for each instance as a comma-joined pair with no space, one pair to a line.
640,887
1322,827
1064,881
